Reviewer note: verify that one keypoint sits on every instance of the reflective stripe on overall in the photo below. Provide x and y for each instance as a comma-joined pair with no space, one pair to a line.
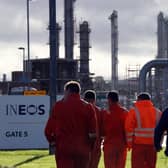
144,132
140,131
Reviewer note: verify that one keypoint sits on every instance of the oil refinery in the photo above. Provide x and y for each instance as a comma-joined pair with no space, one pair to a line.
151,78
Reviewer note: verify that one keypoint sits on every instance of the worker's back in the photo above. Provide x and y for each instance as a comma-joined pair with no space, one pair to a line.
114,133
74,120
140,124
145,116
113,125
72,128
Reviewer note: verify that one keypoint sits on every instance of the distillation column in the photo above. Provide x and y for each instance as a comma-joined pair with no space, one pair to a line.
161,77
84,49
69,28
85,79
58,29
114,49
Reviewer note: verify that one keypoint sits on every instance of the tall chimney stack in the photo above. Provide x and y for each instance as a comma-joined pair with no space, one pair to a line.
58,29
84,48
114,49
69,28
4,78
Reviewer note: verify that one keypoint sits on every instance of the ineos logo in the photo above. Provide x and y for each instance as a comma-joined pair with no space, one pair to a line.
23,109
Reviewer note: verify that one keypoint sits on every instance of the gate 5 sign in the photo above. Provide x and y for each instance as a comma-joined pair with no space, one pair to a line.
22,122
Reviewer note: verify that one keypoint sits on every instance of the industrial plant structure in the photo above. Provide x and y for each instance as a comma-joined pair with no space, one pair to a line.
70,68
161,77
162,36
153,76
67,68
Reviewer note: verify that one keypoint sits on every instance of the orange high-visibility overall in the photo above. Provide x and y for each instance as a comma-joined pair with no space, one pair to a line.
70,127
96,151
114,136
140,124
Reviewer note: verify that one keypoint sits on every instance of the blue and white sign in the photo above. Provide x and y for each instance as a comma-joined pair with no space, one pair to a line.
22,121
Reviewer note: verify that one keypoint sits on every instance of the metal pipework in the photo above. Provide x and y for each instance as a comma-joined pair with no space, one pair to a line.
161,63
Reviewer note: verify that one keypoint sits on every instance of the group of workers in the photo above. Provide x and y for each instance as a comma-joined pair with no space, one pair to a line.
79,130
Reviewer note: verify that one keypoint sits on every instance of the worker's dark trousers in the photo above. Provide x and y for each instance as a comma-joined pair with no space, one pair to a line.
72,161
115,157
143,156
95,157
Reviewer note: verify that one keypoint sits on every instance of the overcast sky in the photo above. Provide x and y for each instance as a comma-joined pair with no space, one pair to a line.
137,23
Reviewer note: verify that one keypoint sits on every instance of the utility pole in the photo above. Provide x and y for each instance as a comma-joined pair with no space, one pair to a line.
53,48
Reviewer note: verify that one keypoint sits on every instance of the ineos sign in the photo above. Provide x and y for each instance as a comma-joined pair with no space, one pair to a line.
22,122
22,109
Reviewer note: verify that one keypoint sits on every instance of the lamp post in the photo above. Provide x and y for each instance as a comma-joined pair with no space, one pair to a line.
53,38
28,41
23,74
23,49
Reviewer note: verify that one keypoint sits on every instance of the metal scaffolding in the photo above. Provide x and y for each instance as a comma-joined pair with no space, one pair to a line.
132,78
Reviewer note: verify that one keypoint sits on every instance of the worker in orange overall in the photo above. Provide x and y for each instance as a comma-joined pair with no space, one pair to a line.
114,146
90,97
140,124
72,127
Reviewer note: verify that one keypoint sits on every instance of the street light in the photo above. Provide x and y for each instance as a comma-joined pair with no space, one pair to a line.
23,74
23,49
28,41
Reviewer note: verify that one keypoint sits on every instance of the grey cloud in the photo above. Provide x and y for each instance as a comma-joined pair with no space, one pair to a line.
137,21
13,23
137,25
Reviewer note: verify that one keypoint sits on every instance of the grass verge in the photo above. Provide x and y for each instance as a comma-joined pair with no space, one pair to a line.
41,159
